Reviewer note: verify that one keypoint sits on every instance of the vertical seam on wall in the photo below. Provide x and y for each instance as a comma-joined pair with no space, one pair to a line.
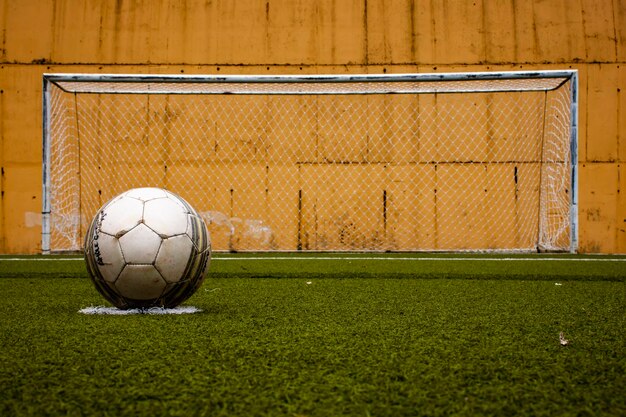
615,38
3,33
433,33
515,45
536,43
365,34
485,36
582,14
412,32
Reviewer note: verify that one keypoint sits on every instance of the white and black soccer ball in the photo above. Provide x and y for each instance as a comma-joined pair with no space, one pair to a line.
146,248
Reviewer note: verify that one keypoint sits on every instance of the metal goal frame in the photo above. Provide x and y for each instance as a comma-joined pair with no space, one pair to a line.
417,83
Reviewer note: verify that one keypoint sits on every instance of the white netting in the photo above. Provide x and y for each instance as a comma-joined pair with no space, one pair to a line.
328,170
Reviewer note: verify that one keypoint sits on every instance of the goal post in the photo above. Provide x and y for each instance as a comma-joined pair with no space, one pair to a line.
483,161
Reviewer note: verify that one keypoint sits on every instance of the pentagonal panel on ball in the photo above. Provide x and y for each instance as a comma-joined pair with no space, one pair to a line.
120,216
140,245
107,256
140,282
173,257
165,216
146,193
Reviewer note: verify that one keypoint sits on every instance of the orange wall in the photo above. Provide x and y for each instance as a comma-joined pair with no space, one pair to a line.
315,36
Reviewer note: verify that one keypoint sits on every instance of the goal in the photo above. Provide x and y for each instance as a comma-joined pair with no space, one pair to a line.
396,162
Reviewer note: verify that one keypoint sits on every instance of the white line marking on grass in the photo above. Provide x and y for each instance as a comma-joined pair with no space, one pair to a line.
357,258
41,259
364,258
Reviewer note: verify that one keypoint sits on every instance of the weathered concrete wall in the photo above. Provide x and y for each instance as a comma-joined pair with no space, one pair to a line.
319,36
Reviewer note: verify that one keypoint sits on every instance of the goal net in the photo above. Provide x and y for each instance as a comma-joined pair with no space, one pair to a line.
399,162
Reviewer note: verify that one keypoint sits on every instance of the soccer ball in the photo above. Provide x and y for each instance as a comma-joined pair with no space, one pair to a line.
146,248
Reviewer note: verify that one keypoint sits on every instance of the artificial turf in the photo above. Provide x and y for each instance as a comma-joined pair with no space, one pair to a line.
355,336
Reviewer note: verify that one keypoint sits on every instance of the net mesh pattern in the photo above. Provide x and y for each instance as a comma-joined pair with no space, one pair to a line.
430,166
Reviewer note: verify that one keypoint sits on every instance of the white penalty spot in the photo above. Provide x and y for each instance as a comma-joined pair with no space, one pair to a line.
114,311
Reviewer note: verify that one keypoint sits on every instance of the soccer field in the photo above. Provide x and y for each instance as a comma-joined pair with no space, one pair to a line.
325,335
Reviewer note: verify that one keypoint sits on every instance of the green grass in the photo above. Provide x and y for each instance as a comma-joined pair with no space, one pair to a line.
324,337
